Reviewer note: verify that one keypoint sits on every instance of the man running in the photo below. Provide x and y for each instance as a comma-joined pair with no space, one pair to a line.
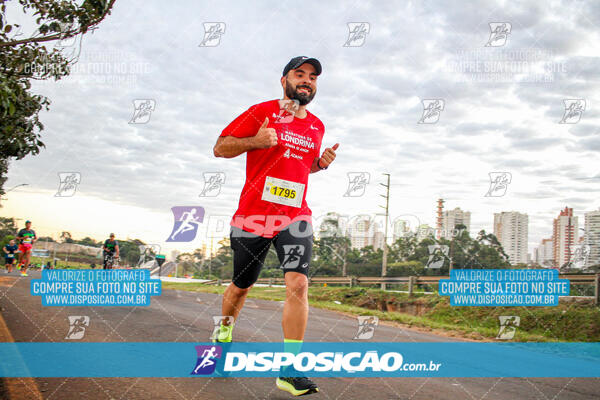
9,255
110,251
281,153
27,238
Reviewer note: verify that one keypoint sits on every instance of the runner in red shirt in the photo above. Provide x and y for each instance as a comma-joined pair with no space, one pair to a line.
282,140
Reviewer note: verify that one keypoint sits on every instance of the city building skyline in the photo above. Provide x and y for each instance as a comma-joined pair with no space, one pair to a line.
565,232
452,218
511,228
592,236
544,253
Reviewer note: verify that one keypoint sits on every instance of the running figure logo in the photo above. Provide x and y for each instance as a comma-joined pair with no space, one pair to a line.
499,32
147,254
498,184
68,184
186,223
69,46
508,326
65,28
212,34
432,108
574,109
77,325
291,258
142,110
357,34
366,327
579,258
287,111
437,255
207,362
212,184
357,183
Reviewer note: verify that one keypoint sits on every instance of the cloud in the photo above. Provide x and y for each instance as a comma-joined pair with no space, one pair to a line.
369,99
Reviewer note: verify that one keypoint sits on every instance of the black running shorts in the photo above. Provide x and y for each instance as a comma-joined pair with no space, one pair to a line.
293,246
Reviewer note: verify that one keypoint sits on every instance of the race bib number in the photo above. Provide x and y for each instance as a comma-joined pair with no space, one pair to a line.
283,192
10,255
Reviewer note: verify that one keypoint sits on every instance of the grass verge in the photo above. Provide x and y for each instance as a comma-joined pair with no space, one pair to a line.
577,322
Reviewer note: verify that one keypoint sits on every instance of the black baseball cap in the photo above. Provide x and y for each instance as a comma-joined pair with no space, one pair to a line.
298,61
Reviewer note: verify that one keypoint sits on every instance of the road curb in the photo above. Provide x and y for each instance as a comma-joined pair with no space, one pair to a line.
17,388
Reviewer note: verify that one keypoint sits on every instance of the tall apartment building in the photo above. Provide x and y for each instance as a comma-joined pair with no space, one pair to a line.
365,231
378,239
424,231
544,253
511,229
565,233
455,217
332,224
399,229
592,237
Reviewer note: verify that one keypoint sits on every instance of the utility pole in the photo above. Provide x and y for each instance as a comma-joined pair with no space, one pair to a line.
210,258
451,256
344,266
585,243
53,252
385,247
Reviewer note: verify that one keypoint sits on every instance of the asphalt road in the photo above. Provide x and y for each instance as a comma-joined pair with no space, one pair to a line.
180,316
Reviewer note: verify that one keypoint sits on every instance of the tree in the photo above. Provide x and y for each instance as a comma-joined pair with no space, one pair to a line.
87,241
187,264
66,237
222,264
332,251
8,226
406,268
28,58
491,254
371,255
129,251
422,254
402,248
4,241
484,252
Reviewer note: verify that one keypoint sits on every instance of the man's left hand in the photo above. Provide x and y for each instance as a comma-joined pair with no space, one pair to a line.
328,156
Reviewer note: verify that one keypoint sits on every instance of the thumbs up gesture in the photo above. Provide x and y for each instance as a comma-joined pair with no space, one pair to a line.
328,156
265,137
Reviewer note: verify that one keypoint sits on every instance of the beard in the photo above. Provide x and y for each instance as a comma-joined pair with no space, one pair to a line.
293,94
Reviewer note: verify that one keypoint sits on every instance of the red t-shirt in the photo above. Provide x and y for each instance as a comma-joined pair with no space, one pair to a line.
275,175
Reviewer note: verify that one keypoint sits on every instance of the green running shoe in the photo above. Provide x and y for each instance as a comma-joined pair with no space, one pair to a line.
224,335
297,386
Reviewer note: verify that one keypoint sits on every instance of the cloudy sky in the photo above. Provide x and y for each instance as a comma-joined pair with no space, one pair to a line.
502,108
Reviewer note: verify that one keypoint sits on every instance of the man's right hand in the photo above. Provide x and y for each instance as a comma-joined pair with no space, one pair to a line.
265,137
